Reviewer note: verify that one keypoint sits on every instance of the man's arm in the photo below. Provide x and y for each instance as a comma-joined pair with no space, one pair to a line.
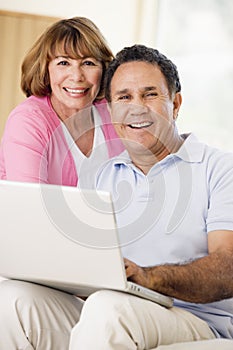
204,280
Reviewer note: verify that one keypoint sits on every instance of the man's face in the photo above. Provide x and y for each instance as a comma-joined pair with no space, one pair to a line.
143,112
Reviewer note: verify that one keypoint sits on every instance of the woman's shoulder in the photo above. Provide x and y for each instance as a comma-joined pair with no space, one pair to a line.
31,116
36,109
32,104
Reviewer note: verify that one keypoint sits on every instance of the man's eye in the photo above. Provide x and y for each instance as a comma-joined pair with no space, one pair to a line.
124,97
151,94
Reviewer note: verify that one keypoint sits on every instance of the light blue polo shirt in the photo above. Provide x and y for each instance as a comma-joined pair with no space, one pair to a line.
165,216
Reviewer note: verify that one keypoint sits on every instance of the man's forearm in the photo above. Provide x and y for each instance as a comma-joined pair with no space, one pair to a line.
204,280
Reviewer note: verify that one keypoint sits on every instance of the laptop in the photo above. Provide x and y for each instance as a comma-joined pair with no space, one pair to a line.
64,238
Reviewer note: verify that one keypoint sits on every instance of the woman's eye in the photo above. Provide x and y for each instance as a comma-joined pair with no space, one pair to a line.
89,63
63,63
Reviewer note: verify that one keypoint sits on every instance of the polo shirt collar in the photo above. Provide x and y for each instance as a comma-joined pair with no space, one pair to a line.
191,151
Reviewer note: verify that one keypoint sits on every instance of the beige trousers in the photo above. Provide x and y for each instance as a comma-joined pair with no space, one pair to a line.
33,317
116,320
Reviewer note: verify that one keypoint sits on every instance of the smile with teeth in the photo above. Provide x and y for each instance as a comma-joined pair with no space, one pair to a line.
140,125
75,91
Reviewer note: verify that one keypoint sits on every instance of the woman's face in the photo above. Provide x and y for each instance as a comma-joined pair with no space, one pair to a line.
74,83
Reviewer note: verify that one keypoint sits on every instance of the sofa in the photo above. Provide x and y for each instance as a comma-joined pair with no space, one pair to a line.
215,344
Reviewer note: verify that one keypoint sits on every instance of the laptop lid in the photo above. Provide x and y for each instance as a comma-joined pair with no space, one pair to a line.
62,237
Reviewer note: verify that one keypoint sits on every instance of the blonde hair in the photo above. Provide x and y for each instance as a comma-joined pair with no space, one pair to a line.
77,37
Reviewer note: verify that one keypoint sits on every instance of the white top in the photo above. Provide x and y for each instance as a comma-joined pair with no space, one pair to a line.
87,166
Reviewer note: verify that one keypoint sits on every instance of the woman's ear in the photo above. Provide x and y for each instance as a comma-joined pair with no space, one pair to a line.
177,101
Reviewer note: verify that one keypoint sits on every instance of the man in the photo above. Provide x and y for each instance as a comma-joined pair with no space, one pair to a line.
174,205
173,202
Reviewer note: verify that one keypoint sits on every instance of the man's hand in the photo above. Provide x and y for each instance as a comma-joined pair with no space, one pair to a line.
204,280
137,274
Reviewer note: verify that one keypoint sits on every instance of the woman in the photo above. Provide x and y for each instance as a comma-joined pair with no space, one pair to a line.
62,128
50,135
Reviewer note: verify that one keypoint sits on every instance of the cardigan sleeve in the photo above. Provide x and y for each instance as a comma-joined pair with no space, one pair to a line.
23,149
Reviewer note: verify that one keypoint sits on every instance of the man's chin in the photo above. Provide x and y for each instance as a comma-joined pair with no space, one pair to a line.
135,146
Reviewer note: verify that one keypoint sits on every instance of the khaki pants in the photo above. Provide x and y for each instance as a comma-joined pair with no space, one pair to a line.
36,317
117,320
33,317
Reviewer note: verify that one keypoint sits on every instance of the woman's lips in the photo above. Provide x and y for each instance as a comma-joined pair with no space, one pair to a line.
75,91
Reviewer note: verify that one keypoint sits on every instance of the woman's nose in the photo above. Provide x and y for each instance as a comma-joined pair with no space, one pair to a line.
77,73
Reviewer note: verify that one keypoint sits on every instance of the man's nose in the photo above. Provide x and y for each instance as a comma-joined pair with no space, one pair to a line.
138,106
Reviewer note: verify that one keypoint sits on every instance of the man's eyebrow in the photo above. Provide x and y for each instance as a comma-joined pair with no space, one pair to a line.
123,91
144,88
149,88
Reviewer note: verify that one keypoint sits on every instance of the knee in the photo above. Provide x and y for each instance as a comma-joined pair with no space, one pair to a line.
109,316
108,305
104,301
99,317
20,296
13,290
18,299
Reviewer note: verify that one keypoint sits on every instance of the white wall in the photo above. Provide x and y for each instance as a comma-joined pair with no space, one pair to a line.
123,22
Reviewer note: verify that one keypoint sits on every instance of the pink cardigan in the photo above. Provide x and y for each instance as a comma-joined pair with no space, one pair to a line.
34,149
